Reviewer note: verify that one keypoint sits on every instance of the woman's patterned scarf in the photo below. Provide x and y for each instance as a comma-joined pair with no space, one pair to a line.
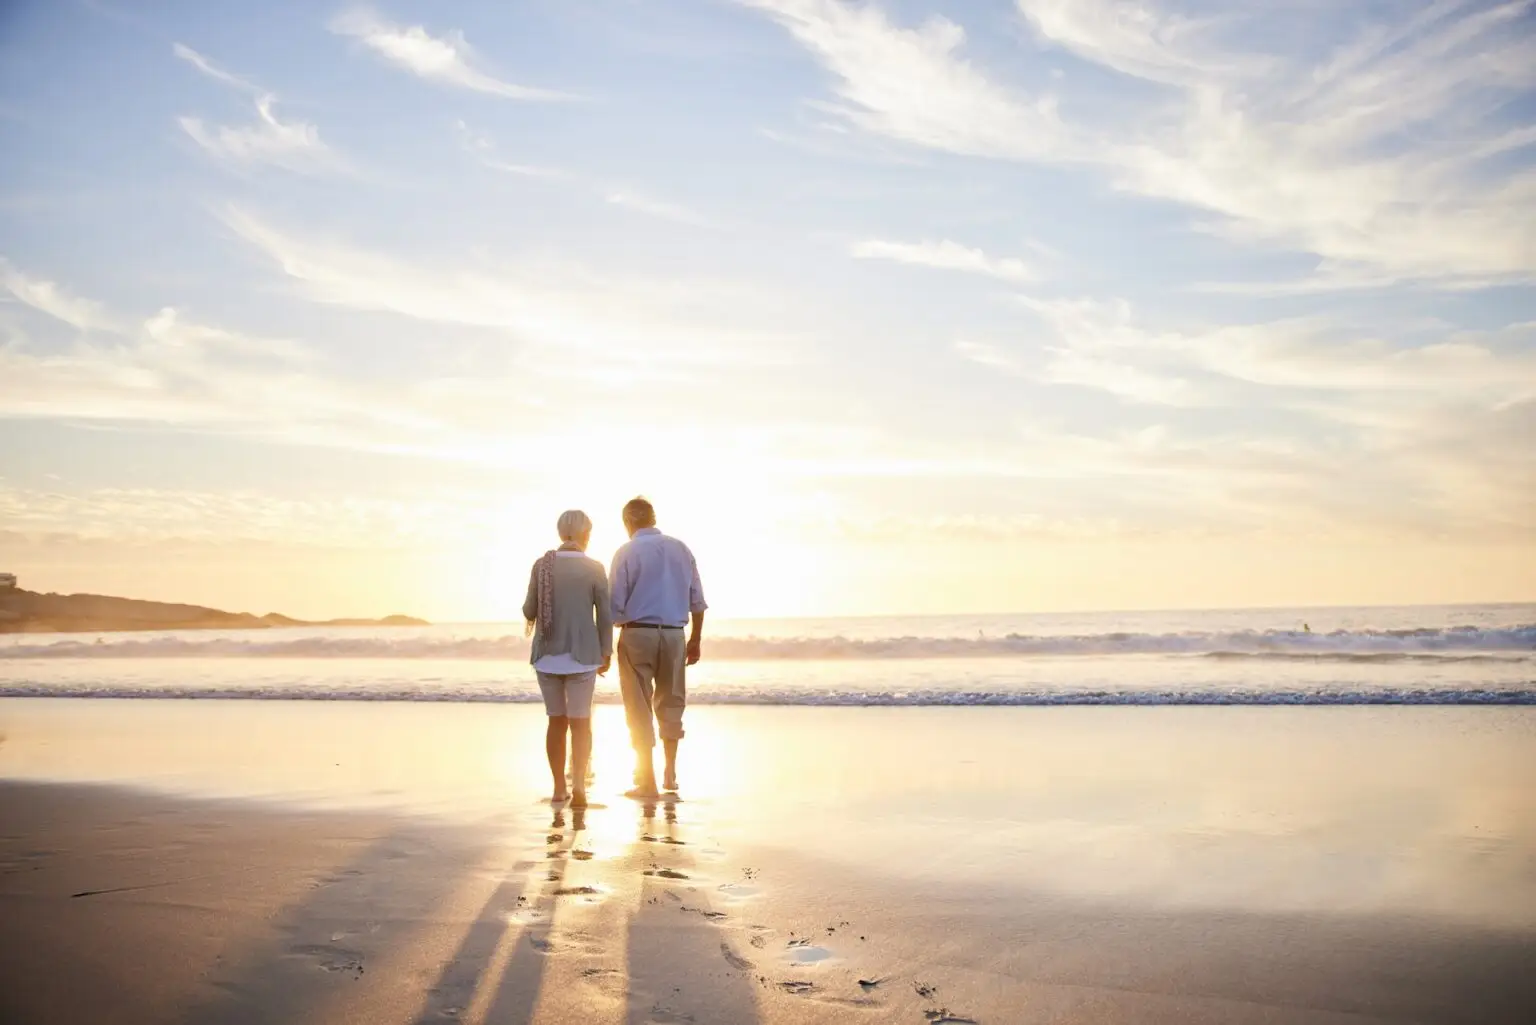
545,568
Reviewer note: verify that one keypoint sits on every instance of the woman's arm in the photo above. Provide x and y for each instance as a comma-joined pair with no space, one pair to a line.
602,604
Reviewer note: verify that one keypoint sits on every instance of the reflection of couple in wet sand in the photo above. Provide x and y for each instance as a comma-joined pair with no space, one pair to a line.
652,594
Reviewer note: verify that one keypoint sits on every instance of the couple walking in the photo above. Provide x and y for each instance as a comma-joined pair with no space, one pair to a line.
651,593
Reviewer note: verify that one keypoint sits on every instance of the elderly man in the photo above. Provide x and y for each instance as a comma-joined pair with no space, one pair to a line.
656,594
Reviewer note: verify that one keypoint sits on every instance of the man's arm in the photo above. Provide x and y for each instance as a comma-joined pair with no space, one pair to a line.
696,638
618,585
696,607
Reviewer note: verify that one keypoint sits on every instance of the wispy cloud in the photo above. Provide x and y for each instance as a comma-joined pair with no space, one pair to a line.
1380,156
484,149
629,199
987,354
212,70
560,308
54,300
150,515
292,145
1301,355
1137,39
947,255
912,84
447,59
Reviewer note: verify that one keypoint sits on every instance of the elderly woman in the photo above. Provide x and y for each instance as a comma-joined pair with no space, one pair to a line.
571,622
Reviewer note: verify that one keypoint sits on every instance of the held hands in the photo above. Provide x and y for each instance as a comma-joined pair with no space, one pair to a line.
602,670
694,650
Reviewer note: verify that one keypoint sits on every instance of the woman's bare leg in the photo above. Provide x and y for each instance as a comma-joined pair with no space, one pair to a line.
554,747
581,755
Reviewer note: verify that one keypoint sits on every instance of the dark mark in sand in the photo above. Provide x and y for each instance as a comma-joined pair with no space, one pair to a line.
130,889
734,959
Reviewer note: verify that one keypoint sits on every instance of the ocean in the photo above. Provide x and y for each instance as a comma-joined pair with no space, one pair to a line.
1418,655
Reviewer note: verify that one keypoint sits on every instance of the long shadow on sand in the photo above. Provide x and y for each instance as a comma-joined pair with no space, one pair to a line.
529,936
674,926
356,915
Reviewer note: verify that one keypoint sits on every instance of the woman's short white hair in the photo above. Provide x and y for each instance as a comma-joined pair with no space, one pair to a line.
573,523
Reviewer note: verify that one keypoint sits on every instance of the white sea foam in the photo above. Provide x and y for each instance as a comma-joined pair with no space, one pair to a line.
1450,655
1513,642
834,697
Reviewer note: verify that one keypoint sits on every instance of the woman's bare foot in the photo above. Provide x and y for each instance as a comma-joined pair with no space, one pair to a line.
578,799
669,780
558,797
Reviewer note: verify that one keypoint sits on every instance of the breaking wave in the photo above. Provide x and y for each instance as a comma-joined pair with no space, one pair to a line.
1464,643
1455,695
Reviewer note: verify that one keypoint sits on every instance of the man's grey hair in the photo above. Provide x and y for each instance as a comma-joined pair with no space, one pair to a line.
639,512
573,524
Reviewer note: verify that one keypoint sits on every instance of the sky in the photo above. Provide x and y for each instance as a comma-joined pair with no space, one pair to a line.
889,306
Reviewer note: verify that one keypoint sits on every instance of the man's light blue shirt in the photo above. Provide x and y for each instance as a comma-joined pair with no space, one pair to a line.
655,580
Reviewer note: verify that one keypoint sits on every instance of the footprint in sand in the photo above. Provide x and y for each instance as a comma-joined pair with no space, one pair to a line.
801,952
331,959
528,915
944,1016
798,987
665,873
734,959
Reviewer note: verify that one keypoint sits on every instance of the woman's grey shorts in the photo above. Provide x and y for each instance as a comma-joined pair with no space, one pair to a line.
568,694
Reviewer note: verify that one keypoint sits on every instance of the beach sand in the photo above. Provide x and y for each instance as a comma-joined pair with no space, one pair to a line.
301,862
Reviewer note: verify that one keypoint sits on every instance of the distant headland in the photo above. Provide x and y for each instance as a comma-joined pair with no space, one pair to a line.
23,611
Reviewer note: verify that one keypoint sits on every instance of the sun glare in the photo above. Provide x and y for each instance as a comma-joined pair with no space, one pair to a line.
750,561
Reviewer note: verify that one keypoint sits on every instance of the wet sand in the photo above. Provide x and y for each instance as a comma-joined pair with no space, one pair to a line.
232,862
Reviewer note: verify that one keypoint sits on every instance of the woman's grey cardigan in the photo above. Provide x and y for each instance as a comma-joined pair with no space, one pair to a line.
581,618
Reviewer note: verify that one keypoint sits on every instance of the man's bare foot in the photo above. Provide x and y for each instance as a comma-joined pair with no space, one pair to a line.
558,797
644,792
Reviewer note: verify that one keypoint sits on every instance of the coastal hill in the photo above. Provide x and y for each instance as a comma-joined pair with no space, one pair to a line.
24,611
